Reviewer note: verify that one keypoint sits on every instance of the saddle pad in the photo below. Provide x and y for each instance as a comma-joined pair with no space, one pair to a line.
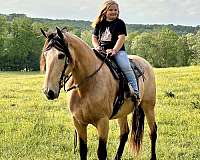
138,70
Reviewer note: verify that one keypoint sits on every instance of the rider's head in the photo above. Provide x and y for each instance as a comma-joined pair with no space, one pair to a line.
109,11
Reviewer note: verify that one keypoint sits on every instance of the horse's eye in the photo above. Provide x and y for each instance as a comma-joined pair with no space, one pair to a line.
61,55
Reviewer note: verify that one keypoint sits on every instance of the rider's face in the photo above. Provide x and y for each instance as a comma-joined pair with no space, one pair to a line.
112,12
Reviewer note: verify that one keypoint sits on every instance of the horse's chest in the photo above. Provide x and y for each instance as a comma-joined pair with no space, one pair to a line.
86,112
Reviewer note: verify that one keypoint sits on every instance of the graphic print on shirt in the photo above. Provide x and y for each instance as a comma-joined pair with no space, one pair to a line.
106,36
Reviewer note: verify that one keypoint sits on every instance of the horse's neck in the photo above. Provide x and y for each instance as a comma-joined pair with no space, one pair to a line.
85,60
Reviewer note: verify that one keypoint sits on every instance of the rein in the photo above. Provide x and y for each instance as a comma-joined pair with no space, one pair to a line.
75,86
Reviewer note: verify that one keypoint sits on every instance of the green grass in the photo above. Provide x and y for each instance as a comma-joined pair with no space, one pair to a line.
31,127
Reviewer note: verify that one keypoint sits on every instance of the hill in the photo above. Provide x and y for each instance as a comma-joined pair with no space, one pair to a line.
82,25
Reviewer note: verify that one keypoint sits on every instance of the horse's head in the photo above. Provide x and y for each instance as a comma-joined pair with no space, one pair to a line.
56,61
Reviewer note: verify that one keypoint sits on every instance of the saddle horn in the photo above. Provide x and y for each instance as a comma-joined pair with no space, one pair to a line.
59,33
43,32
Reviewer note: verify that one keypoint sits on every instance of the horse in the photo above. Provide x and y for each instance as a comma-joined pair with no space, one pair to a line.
93,90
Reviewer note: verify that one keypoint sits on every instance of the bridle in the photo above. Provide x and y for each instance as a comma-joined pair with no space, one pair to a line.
57,41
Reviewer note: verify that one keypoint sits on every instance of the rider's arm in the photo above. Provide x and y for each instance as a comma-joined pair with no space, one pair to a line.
95,42
119,43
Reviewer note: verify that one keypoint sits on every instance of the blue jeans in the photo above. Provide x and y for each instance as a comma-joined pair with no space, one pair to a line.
122,60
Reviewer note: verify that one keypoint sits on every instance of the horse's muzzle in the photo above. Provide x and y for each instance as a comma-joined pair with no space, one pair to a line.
50,94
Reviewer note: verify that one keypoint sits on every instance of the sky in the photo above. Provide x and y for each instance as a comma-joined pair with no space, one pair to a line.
177,12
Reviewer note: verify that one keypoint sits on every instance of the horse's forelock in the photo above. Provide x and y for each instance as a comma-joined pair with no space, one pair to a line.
51,36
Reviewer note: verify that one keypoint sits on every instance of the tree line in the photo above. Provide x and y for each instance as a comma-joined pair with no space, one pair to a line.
21,42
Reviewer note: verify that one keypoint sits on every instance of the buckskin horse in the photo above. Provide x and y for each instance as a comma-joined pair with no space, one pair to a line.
93,91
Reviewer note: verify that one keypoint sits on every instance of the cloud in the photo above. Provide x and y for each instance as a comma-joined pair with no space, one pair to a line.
161,11
185,12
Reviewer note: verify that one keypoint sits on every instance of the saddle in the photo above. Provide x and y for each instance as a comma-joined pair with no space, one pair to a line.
123,91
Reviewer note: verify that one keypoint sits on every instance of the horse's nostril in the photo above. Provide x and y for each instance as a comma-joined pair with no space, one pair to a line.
50,95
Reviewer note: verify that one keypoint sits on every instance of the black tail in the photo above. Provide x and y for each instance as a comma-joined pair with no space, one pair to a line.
137,129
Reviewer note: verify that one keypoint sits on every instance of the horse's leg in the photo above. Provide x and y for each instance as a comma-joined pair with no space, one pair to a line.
82,134
102,127
124,131
150,115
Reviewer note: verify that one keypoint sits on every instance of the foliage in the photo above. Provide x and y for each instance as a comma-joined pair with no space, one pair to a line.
168,50
21,46
34,128
144,46
165,48
179,29
3,38
162,45
129,40
194,45
86,25
86,36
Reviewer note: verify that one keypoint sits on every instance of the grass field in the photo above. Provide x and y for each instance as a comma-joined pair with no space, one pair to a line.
31,127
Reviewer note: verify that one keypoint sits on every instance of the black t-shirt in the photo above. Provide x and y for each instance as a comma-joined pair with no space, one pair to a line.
107,32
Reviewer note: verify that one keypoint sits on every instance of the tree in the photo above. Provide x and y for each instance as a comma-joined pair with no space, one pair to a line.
21,42
183,58
25,43
37,44
76,32
162,48
194,46
144,46
197,48
3,37
168,49
86,36
129,40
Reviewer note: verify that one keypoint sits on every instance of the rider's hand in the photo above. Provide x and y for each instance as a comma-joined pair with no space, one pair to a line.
98,48
111,52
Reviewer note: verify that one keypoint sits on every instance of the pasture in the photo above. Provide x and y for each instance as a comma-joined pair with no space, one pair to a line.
32,127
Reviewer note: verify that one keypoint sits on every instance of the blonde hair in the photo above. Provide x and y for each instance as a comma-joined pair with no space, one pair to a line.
101,16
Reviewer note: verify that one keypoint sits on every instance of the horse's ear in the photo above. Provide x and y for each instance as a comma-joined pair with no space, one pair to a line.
59,33
65,29
43,32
